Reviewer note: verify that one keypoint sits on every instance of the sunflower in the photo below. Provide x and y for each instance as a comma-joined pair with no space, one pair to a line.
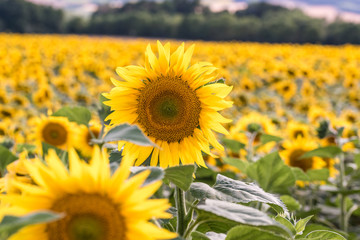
55,131
83,138
294,149
4,129
15,170
175,104
254,120
350,116
307,90
42,97
96,204
247,84
286,88
296,129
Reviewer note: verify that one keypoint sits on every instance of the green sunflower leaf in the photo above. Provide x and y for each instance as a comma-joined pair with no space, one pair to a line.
301,224
115,156
233,145
25,147
324,234
266,138
80,115
357,160
63,155
227,189
199,236
129,133
325,152
318,174
156,173
104,110
236,162
181,176
7,157
291,203
286,223
272,174
251,233
229,215
300,174
11,224
314,227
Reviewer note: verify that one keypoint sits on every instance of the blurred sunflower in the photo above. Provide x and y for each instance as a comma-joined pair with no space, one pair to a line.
173,103
263,123
247,84
4,129
15,170
83,136
307,90
7,112
317,113
96,204
350,116
56,131
3,97
287,89
296,129
42,97
293,151
19,100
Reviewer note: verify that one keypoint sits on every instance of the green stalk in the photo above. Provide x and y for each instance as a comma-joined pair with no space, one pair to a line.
343,218
191,227
250,150
181,210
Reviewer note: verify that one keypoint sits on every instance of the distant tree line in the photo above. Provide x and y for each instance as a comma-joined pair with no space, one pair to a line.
25,17
184,19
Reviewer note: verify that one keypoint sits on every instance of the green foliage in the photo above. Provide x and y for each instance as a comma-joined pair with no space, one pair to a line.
80,115
265,138
227,189
323,234
156,173
286,223
25,147
181,176
233,145
11,224
291,203
325,152
6,157
301,224
272,174
232,214
318,174
104,110
251,233
126,132
236,162
300,174
323,129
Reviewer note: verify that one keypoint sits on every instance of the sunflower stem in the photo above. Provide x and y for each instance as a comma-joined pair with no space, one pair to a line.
342,187
191,227
250,150
343,218
181,210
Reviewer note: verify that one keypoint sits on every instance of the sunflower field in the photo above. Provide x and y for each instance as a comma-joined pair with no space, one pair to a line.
124,139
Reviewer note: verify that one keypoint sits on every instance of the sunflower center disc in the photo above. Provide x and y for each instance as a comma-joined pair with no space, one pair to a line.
54,134
296,160
168,109
87,217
